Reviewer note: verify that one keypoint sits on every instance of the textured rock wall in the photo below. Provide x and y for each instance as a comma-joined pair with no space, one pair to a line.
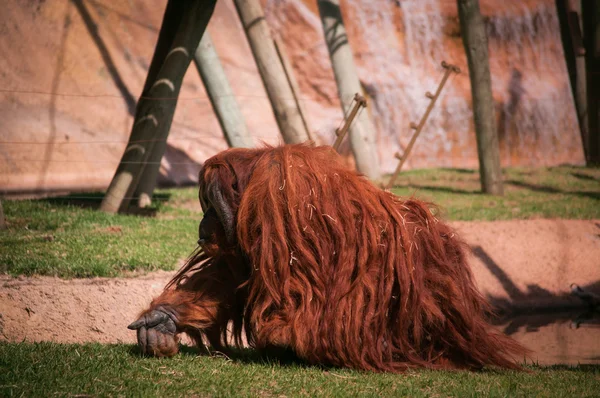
73,72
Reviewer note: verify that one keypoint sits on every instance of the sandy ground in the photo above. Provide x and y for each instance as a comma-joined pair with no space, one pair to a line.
73,311
518,265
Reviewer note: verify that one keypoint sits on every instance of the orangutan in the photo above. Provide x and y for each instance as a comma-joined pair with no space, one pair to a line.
300,253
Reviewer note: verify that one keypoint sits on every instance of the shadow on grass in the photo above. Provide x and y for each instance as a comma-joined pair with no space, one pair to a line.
92,200
581,368
249,356
552,190
461,171
276,356
585,177
441,189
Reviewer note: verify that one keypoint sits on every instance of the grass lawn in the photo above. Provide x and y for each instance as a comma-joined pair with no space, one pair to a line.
68,237
557,192
117,370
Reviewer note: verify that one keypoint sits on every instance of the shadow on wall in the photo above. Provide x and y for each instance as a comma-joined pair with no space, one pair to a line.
506,122
178,169
92,28
58,69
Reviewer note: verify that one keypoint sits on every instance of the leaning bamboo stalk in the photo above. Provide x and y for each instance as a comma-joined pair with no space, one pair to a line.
184,23
271,71
221,94
362,135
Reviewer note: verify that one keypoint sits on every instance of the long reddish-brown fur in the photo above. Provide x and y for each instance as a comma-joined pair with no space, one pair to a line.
334,268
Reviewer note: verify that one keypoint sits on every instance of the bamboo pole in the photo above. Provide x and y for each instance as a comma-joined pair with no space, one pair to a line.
221,94
568,12
433,97
591,33
362,134
183,26
271,71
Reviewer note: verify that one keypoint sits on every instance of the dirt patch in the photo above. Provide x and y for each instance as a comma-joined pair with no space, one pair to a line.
74,311
517,264
521,265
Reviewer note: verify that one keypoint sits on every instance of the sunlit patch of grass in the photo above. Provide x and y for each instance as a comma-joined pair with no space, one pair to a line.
57,237
557,192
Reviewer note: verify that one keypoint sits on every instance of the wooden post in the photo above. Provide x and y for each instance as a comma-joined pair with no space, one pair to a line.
359,101
221,95
591,34
279,90
362,132
568,12
155,109
145,182
433,97
476,47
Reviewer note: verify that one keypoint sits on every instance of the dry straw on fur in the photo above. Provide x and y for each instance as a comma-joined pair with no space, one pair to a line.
327,264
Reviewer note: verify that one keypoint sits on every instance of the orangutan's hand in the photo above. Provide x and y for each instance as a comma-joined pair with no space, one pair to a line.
156,333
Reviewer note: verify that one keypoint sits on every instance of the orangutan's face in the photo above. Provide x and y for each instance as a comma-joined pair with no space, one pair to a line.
215,230
211,232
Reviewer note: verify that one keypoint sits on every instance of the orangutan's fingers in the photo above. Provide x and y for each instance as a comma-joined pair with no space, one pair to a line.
150,319
152,342
155,318
160,342
137,324
171,345
163,344
141,336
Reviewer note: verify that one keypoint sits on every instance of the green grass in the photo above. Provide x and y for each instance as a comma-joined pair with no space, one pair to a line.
557,192
48,369
68,237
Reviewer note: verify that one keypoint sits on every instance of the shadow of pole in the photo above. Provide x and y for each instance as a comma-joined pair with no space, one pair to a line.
110,65
507,284
332,38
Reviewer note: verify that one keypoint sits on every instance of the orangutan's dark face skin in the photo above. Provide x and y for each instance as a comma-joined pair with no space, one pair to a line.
210,232
216,232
